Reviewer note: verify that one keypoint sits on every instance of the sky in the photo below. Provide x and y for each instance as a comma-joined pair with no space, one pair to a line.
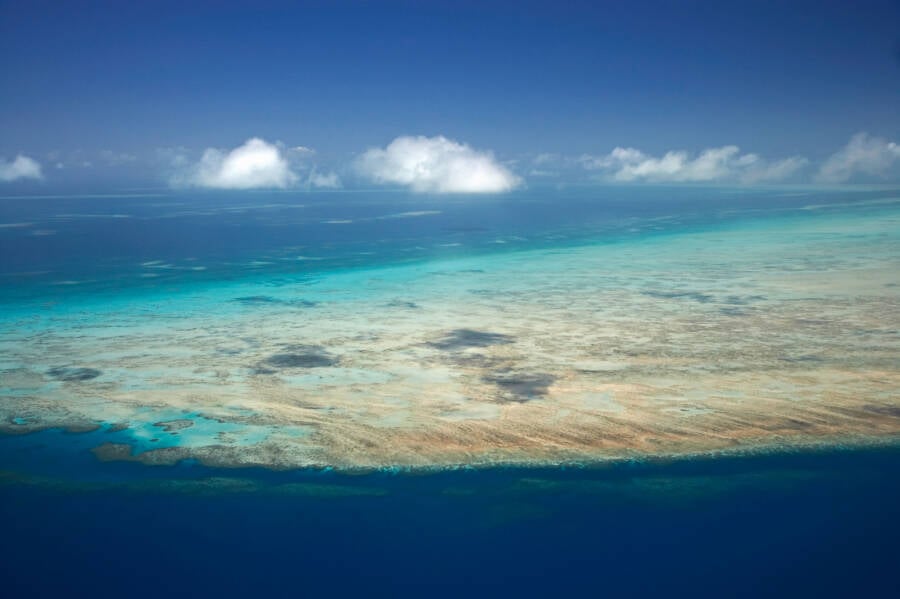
448,96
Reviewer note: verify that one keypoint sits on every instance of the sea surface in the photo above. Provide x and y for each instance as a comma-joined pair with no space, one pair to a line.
91,284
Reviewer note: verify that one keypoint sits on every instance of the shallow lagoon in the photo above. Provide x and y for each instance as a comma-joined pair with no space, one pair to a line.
443,332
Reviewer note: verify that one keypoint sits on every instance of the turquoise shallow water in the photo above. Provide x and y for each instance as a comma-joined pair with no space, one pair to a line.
60,247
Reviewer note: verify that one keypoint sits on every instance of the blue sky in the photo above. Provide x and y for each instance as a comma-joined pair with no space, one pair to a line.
116,90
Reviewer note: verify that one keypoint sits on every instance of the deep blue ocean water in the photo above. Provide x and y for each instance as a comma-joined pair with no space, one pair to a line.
55,247
822,523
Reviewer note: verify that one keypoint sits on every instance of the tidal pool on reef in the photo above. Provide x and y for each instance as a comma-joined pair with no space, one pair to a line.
777,329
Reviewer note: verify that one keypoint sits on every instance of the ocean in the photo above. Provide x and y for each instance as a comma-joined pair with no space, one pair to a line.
603,391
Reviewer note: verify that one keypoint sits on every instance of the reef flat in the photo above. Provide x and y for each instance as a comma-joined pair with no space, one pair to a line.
769,333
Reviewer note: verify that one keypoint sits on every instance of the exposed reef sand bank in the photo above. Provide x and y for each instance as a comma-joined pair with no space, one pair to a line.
773,333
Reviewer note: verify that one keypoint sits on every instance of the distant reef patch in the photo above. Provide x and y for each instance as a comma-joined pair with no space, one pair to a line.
466,338
302,356
268,300
72,374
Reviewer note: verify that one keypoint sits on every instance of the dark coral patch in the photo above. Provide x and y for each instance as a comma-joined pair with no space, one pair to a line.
252,300
302,356
743,300
521,387
703,298
68,374
263,300
170,426
402,304
465,338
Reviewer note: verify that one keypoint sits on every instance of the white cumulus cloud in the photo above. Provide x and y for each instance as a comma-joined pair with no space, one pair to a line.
437,165
22,167
256,164
725,163
863,155
328,180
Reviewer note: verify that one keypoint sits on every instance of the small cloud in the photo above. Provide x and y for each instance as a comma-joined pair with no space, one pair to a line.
323,180
256,164
178,157
863,155
22,167
437,165
117,158
767,172
725,163
302,150
546,158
